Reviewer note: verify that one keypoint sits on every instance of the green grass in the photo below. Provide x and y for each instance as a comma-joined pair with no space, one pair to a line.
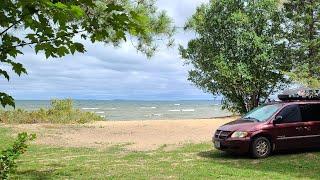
194,161
61,111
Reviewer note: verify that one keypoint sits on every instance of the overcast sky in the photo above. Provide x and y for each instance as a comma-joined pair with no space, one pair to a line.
105,72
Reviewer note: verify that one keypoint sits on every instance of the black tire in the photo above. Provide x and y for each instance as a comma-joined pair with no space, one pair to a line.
260,147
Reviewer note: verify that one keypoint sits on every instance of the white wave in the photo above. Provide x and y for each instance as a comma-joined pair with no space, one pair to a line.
110,108
174,110
85,108
148,107
188,110
99,112
177,104
157,114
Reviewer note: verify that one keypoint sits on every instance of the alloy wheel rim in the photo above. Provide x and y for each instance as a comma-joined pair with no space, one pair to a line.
262,147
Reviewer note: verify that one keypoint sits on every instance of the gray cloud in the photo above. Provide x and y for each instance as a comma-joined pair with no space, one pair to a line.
105,72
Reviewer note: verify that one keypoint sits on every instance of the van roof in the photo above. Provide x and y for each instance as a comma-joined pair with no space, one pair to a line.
296,102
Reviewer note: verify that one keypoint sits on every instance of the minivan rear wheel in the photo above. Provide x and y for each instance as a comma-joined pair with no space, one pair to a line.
260,147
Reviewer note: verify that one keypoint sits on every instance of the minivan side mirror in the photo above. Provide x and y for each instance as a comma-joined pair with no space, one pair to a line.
277,120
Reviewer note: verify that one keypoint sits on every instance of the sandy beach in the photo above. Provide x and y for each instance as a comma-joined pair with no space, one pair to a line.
134,135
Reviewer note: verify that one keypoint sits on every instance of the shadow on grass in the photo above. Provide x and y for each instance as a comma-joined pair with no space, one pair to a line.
301,163
41,174
215,154
35,174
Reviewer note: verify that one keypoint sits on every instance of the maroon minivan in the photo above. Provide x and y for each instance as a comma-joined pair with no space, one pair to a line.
277,126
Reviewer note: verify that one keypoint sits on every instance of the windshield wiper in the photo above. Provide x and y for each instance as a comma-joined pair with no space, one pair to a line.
251,119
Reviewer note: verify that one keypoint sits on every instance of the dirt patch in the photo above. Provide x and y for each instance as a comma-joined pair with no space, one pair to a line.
139,135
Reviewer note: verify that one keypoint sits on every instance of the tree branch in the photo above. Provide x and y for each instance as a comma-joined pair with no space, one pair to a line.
269,93
36,42
6,29
13,24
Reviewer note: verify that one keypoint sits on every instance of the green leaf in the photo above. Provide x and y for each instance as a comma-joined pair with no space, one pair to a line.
38,47
77,11
61,51
48,54
5,100
79,47
114,7
60,5
18,68
5,74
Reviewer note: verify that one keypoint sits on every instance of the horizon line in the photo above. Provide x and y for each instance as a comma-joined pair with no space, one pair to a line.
119,99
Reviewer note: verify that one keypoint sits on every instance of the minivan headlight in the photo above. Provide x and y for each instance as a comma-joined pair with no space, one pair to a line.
239,134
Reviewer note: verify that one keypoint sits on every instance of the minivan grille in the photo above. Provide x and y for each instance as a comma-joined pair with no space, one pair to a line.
222,134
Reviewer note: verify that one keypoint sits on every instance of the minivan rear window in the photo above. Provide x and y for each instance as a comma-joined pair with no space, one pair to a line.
310,112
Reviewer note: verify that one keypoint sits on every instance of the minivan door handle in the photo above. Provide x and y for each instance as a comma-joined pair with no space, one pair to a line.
299,128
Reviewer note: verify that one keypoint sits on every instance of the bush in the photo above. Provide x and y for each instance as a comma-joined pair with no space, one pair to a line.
62,105
61,111
8,156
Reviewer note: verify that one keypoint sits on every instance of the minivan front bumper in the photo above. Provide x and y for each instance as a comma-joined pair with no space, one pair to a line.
234,145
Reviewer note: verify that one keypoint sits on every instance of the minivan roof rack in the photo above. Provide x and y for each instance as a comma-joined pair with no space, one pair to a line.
301,94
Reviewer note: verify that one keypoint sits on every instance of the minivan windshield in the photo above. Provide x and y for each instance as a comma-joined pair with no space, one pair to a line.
262,113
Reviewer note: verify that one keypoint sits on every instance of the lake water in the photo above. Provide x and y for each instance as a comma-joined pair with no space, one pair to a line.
140,110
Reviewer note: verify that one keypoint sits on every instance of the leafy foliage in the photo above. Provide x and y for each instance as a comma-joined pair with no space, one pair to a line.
237,51
5,99
55,27
10,155
61,111
302,31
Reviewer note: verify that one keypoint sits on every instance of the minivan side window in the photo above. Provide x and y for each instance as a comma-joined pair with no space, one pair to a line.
290,114
310,112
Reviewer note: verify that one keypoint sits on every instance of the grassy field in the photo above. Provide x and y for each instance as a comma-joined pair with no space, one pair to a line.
194,161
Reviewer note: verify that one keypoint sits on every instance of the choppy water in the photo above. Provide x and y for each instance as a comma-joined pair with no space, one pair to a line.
140,110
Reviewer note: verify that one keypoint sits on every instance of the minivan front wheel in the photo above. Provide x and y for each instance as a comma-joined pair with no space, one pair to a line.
260,147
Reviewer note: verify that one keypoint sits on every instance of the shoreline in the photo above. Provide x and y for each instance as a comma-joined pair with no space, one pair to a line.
142,135
166,119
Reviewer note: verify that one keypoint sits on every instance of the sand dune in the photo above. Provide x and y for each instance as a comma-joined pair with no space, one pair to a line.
135,135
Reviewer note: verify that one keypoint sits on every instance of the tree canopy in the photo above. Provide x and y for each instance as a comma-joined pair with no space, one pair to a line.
55,27
237,51
302,31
